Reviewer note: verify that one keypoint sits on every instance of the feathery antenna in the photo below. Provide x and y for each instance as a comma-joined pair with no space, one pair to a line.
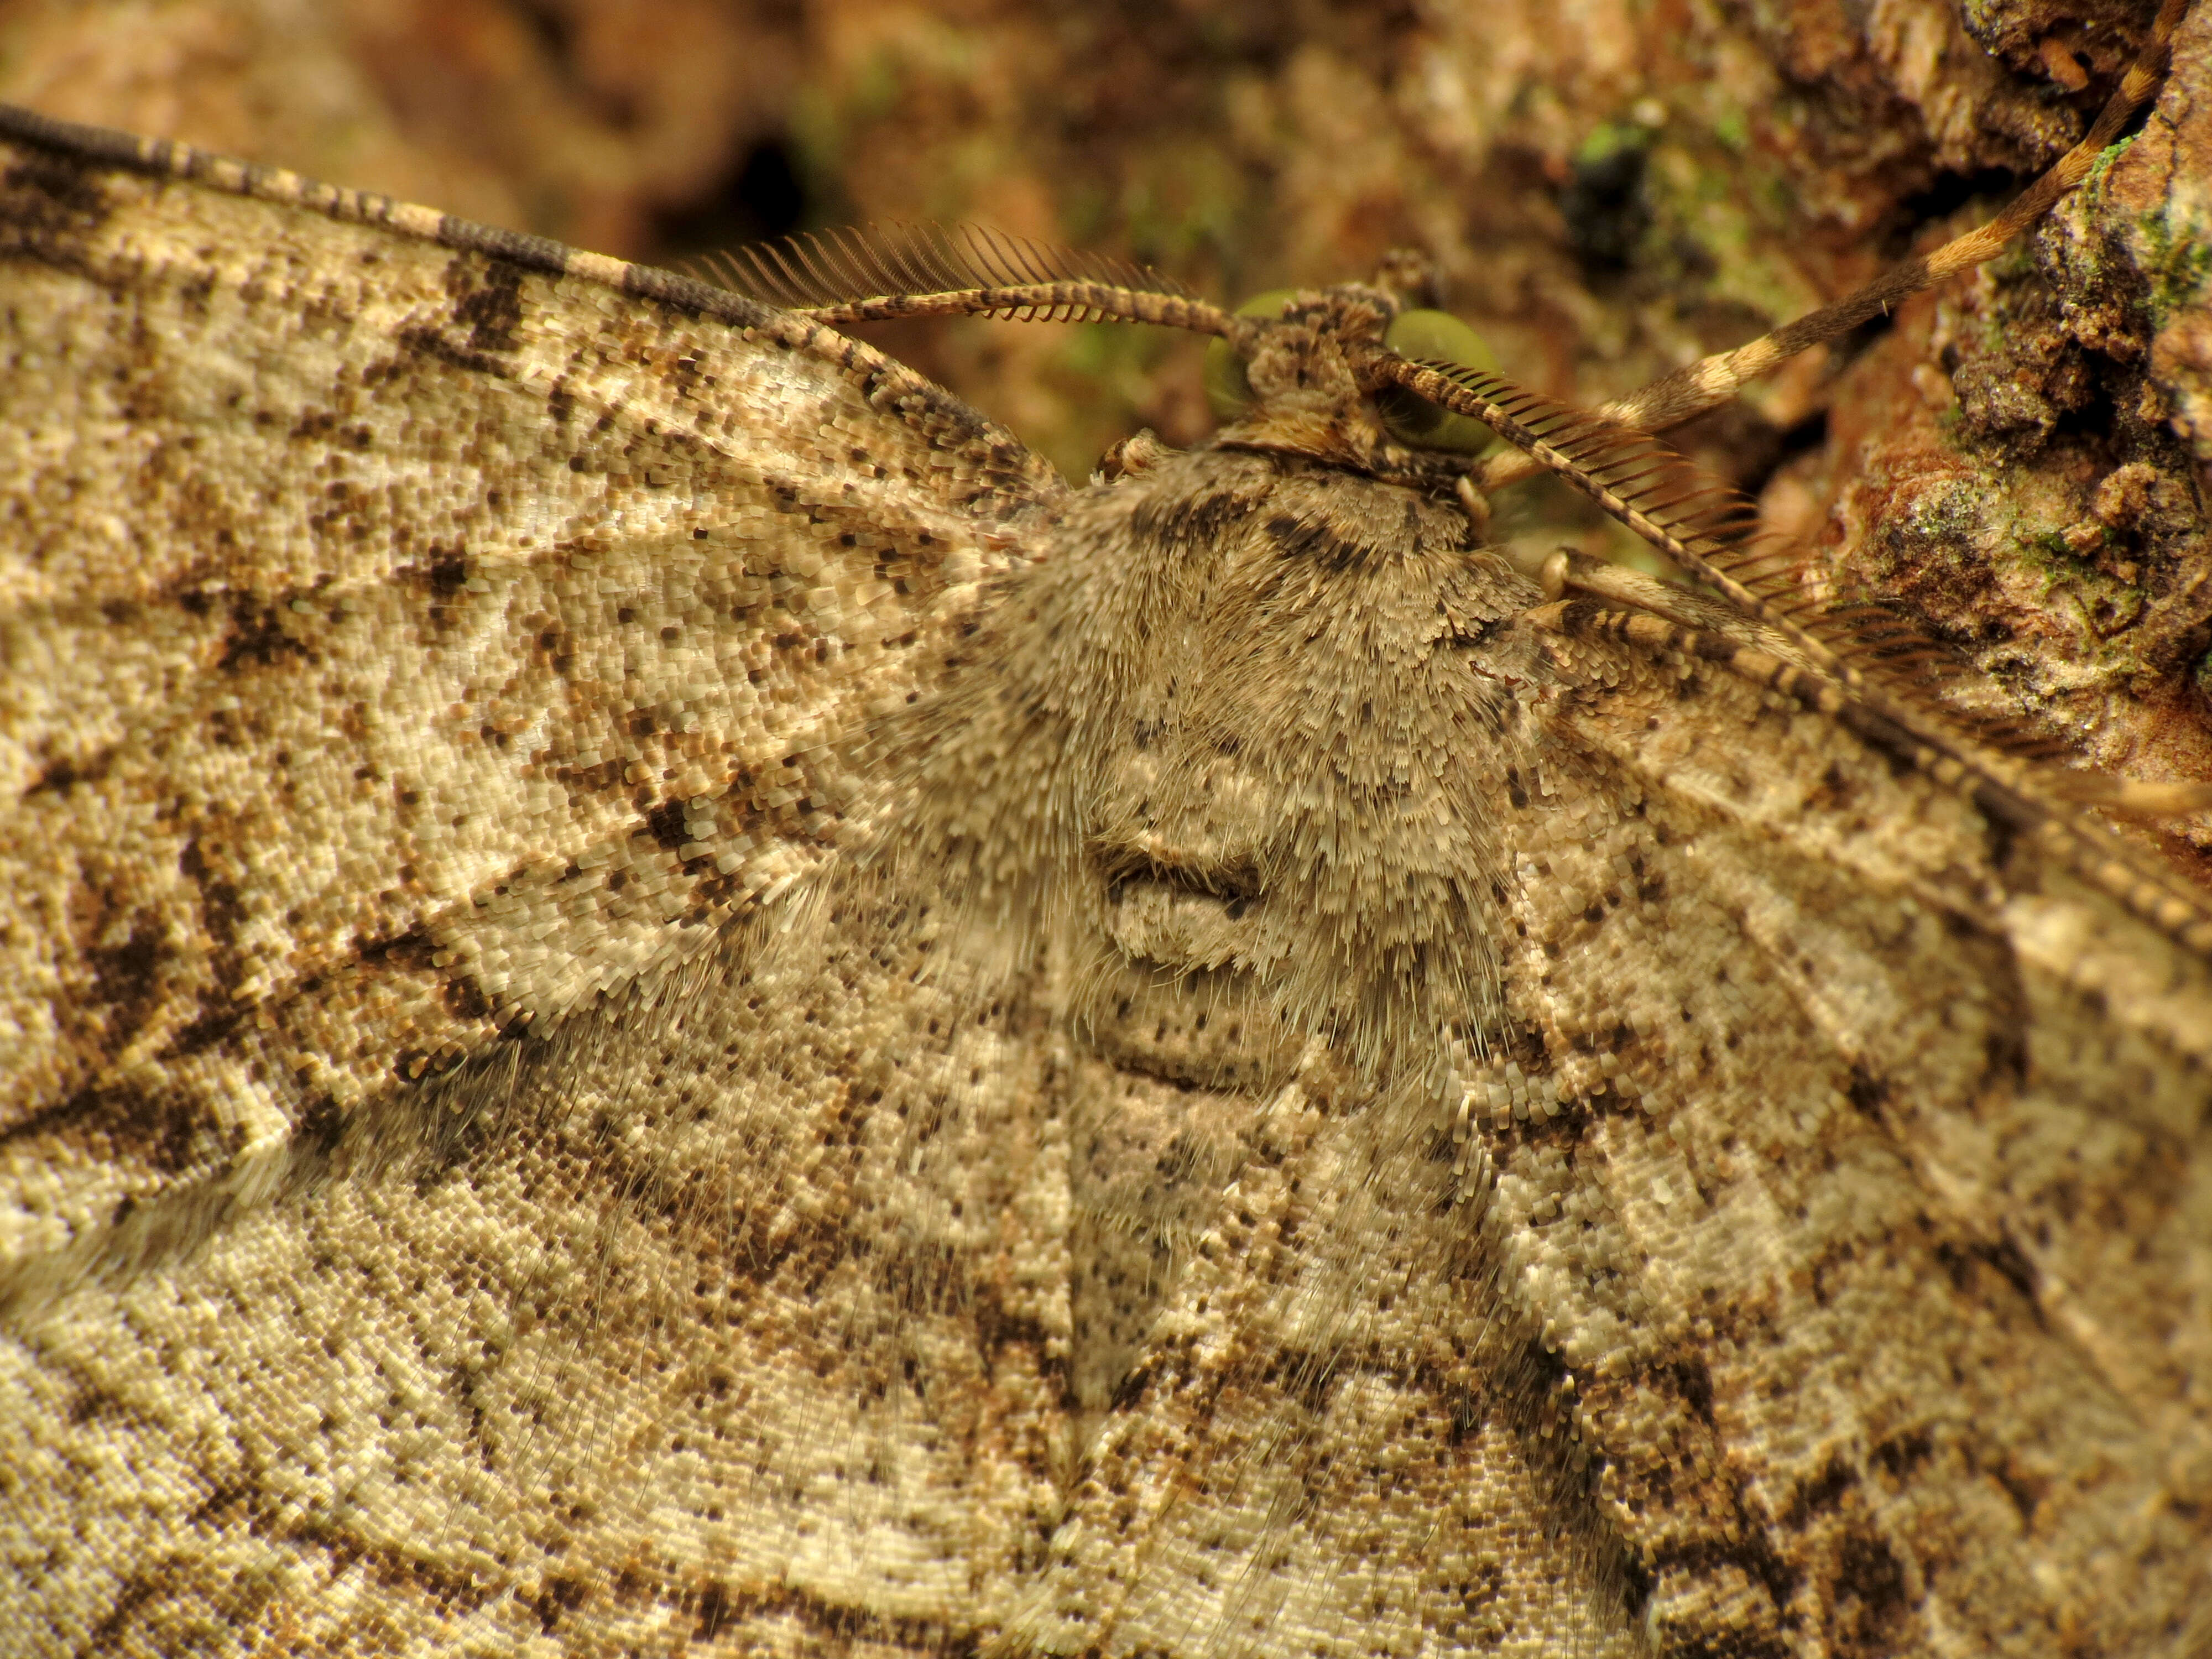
877,272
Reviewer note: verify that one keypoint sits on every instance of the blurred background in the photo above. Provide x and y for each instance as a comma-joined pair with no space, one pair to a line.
1609,188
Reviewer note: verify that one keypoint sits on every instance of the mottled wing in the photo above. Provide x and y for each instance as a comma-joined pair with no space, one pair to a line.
1853,1156
411,631
731,1317
433,660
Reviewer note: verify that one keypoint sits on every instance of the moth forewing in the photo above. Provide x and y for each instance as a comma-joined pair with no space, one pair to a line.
1210,1067
497,634
291,694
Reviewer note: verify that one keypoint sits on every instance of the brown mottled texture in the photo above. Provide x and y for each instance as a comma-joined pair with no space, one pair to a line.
1609,188
664,1001
402,674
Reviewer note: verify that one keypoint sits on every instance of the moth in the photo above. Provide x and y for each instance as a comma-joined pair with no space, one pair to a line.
663,999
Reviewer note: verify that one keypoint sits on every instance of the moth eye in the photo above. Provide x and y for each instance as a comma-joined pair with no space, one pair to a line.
1228,390
1434,336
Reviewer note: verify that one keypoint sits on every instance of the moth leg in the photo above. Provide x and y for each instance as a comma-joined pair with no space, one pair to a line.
1621,586
1712,381
1476,505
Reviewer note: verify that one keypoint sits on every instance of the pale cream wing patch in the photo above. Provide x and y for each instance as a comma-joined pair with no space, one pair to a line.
737,1320
1875,1227
403,643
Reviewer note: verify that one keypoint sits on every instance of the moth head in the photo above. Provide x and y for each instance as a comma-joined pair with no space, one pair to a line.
1314,372
1271,381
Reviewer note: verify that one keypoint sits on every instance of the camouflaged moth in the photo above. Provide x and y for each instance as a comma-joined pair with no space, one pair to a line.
666,999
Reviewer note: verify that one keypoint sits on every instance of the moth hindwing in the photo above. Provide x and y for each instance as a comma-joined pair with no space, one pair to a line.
668,1000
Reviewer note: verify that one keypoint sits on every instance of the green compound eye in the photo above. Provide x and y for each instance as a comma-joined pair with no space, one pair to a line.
1228,392
1434,336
